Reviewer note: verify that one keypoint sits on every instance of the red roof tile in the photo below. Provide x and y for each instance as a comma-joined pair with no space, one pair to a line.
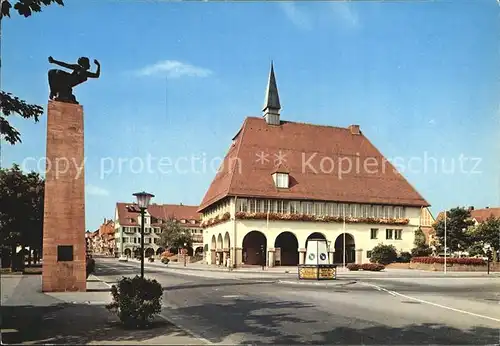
244,173
482,215
178,212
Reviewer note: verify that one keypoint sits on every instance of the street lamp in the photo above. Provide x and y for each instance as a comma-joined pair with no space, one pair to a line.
185,253
143,199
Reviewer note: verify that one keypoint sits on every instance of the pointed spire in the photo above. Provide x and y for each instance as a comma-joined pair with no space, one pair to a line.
272,101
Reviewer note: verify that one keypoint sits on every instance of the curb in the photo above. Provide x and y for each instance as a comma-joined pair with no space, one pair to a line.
325,283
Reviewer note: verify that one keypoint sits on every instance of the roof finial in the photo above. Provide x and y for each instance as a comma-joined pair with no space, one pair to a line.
272,101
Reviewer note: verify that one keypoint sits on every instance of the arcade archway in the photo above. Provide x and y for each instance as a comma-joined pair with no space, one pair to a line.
160,251
127,252
254,248
315,235
227,241
350,246
149,252
219,242
288,249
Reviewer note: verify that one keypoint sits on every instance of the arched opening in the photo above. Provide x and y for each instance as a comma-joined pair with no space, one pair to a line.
160,251
349,254
315,235
137,253
288,253
198,250
219,242
214,245
227,241
190,251
149,252
128,252
254,248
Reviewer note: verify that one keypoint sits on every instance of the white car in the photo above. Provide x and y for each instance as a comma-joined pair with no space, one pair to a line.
123,259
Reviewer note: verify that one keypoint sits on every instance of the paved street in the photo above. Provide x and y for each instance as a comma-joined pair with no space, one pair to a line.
356,309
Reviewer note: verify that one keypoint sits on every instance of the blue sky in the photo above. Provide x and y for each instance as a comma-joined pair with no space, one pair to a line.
178,78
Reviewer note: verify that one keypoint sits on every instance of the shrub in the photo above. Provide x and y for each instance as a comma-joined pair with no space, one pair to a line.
136,301
165,260
451,260
384,254
404,257
421,251
373,267
353,266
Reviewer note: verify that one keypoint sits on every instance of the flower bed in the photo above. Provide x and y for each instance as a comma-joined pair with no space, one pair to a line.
216,220
305,217
450,260
372,267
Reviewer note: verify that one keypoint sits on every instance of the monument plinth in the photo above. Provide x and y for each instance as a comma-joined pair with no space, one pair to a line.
64,250
317,265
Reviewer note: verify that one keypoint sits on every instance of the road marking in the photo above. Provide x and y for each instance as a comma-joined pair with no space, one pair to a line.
181,326
394,293
232,296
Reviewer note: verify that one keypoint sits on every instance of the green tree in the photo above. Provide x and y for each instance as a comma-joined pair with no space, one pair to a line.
458,222
21,210
384,254
173,236
487,233
421,248
10,104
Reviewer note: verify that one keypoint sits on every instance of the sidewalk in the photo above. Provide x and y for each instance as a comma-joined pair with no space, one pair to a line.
30,316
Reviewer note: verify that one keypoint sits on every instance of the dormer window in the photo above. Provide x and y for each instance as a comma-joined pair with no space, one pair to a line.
183,221
281,180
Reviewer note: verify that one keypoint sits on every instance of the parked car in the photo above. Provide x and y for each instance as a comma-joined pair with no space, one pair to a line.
123,259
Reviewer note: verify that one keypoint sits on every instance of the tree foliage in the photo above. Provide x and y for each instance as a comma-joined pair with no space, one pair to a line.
21,208
421,248
26,7
10,104
458,222
173,236
383,254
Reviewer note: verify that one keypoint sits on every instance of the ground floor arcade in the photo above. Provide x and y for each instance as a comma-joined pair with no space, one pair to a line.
282,244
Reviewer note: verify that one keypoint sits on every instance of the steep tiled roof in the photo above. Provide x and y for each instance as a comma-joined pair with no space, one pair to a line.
128,212
482,215
252,158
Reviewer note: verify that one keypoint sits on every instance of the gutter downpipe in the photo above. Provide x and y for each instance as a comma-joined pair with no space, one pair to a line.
234,234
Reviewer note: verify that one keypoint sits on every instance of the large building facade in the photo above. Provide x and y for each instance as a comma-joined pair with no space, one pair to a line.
128,227
282,183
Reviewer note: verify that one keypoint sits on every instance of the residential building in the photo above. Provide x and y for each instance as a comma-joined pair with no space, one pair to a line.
282,183
127,227
427,226
481,215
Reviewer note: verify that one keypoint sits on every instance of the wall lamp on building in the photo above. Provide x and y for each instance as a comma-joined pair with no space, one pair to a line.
143,199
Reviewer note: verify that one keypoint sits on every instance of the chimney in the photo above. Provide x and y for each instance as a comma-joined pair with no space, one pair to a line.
354,129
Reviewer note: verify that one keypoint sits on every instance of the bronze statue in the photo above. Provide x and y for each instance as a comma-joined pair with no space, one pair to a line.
62,83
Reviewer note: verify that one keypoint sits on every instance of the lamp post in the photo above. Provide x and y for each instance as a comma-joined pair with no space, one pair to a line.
143,199
185,253
487,250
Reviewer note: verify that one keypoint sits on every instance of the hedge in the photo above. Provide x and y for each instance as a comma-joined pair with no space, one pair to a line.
451,260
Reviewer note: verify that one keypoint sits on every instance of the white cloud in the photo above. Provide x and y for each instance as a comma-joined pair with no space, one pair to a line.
432,122
174,69
296,16
345,14
96,190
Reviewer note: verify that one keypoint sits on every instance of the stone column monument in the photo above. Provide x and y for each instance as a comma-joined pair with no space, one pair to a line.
64,248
